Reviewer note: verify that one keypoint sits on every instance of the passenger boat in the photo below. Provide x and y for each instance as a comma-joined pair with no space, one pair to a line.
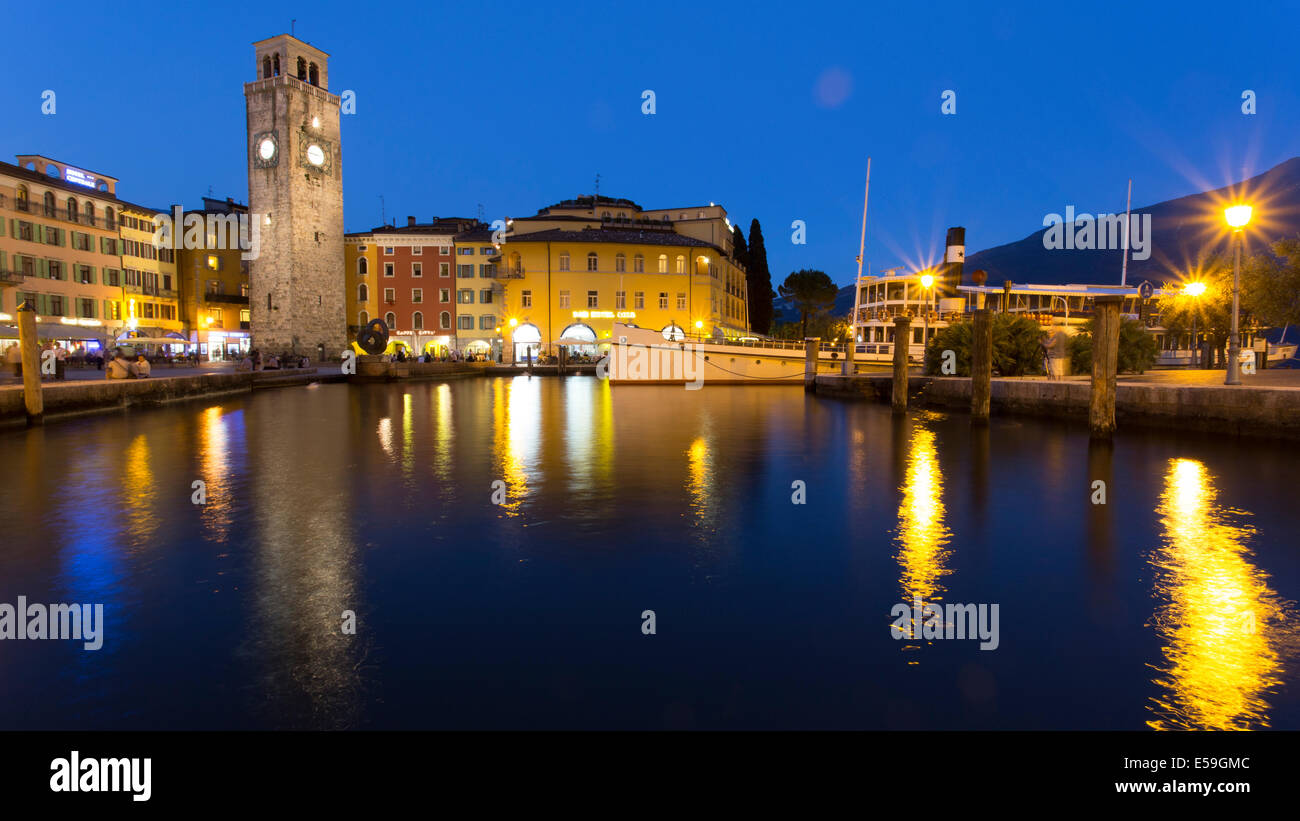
647,356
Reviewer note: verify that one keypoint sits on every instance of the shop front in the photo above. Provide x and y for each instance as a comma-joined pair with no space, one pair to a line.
219,346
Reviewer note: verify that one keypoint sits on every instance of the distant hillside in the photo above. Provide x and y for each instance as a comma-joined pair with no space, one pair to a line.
1183,230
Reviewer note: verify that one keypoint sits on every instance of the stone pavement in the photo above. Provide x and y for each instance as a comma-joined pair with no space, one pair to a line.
161,372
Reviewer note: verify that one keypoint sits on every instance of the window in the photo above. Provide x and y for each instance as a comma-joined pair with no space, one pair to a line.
564,261
464,272
620,263
417,321
243,290
444,269
663,263
485,296
388,269
417,269
681,265
109,220
417,295
444,295
390,295
638,300
390,319
486,249
663,300
465,322
363,266
363,319
638,264
525,299
681,301
487,270
620,300
592,299
302,69
417,250
444,320
86,308
593,262
388,250
487,322
72,208
361,249
564,299
313,75
465,296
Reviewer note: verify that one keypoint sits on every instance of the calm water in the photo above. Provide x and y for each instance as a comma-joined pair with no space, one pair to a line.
769,614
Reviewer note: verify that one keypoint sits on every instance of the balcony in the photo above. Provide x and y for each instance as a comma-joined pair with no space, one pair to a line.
10,277
510,273
226,299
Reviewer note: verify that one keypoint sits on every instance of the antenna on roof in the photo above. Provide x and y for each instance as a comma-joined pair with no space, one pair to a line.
596,198
480,212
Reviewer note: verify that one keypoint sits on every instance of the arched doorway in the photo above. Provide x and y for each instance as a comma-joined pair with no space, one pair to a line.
580,331
528,341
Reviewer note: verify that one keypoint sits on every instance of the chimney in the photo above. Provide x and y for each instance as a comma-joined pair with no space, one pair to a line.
954,260
410,222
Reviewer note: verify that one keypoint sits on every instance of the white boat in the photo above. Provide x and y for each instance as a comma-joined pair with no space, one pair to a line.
646,356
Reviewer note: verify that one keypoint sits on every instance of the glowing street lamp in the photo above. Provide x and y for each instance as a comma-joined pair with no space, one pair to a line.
1195,289
1238,217
927,282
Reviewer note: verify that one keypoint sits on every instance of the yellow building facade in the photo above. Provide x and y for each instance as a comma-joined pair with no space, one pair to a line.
150,296
213,281
579,266
60,249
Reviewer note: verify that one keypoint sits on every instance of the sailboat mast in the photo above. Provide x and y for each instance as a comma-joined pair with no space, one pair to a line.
862,249
1128,208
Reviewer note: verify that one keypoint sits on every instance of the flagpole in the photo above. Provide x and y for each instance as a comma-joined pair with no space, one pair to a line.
1128,207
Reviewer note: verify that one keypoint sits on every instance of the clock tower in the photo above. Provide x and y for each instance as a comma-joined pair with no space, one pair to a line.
295,195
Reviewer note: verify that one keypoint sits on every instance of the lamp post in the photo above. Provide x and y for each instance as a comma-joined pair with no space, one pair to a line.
927,282
1238,216
1195,289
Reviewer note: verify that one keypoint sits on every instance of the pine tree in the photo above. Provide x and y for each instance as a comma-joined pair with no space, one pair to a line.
759,282
739,250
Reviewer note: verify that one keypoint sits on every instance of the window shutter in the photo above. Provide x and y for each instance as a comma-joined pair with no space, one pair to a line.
43,268
38,233
93,274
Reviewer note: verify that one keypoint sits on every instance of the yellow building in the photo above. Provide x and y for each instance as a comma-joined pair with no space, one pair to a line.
580,265
213,280
60,249
479,294
151,301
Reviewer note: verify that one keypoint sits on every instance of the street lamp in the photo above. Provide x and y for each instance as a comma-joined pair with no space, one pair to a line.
927,281
1238,216
1195,289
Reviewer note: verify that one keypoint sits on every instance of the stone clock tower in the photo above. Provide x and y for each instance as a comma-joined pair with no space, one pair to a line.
295,195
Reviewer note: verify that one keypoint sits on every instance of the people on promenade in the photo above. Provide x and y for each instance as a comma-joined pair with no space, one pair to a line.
14,358
141,369
118,367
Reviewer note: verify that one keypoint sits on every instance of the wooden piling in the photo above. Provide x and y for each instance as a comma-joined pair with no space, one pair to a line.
33,396
849,347
1105,361
902,340
811,345
981,366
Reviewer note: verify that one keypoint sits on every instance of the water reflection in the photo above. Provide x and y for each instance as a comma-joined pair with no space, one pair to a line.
140,496
215,467
922,534
516,430
699,483
1218,666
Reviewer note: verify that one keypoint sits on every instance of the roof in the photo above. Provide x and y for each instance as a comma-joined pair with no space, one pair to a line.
483,234
628,236
57,182
587,202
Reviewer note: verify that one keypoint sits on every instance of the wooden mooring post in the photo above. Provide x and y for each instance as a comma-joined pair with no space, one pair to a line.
849,347
902,341
33,396
1105,361
981,366
811,345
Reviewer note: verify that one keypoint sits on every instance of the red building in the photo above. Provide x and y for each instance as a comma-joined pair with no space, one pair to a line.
406,276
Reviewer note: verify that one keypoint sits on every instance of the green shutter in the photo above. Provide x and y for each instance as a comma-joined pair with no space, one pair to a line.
38,233
94,272
43,268
2,255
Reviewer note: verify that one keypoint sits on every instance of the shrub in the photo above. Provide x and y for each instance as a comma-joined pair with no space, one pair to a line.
1016,351
1137,348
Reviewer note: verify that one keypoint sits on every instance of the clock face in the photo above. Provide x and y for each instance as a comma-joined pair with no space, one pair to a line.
315,155
266,150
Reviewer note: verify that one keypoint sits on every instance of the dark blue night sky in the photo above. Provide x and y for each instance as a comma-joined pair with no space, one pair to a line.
769,109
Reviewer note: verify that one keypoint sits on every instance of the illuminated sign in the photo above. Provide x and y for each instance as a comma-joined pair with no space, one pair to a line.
79,177
604,315
85,323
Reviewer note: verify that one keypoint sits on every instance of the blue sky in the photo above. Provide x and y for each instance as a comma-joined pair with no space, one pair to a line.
769,109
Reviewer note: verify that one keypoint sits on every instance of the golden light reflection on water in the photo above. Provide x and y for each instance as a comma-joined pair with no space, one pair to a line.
141,494
700,482
408,444
922,534
442,460
1227,635
214,465
517,428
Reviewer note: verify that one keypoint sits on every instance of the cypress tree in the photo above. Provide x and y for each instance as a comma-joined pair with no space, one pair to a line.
759,282
739,251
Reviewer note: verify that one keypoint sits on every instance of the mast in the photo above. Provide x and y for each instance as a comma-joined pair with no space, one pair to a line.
1128,208
862,247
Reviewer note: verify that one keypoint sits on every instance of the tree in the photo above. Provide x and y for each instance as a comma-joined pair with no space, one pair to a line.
1270,284
1016,349
739,250
1210,313
1137,348
811,292
758,280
